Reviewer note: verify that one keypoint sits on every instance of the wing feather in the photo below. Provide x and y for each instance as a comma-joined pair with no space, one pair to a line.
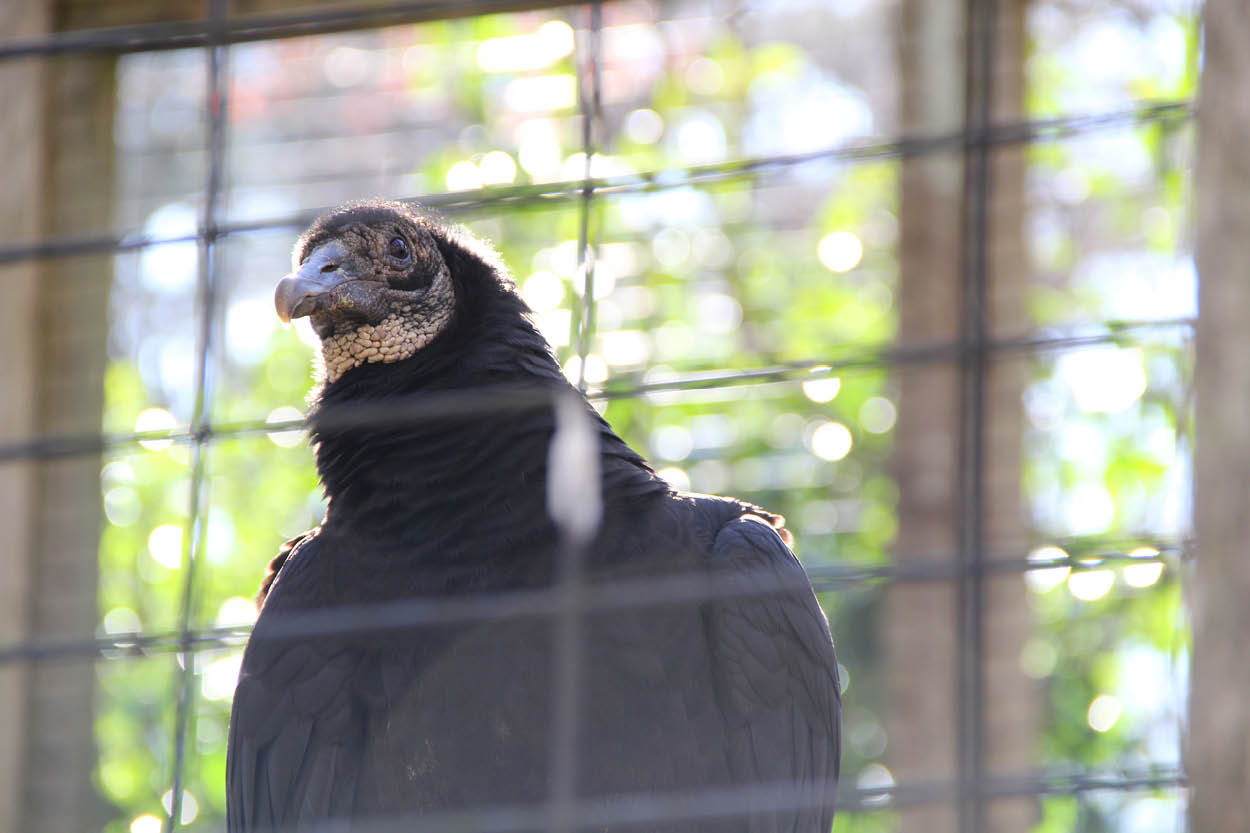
296,735
777,676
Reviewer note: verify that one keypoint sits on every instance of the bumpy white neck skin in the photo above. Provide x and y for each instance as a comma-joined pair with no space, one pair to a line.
398,336
410,326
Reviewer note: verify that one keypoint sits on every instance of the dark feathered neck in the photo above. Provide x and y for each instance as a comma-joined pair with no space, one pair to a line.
451,444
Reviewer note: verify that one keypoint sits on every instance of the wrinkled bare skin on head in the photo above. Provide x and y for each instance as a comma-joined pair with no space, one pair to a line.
373,316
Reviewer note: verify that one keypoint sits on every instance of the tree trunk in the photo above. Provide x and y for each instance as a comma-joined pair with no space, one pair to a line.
920,617
71,338
57,141
922,623
1219,743
21,84
1012,700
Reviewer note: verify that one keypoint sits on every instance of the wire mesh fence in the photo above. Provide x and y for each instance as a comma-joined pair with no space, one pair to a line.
973,349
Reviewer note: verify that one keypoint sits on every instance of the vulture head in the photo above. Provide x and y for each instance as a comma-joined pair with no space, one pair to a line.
373,278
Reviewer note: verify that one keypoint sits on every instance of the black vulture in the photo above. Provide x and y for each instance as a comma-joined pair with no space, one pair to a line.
708,694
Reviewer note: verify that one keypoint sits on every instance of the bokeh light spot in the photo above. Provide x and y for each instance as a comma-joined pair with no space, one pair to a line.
170,267
346,66
117,472
1146,573
541,94
554,326
190,807
1038,658
1088,509
704,76
165,545
219,677
155,419
672,442
831,441
543,291
497,168
1143,575
463,176
676,477
249,323
644,126
822,389
840,251
520,53
877,415
1090,585
122,506
596,369
1042,579
147,823
291,436
719,314
121,620
538,149
701,138
671,247
876,777
625,347
236,610
1103,712
1104,379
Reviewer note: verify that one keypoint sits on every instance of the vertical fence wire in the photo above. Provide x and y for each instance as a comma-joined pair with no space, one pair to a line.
201,418
590,102
570,625
973,371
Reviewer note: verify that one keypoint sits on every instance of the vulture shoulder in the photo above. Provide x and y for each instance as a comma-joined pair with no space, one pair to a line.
296,734
275,565
776,674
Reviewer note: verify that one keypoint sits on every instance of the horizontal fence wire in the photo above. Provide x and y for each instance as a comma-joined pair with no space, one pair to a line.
641,809
483,400
165,35
552,194
600,596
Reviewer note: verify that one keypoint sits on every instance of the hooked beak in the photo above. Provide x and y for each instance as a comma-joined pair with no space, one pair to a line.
310,289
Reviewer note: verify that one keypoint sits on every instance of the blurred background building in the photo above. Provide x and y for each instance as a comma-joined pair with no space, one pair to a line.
918,274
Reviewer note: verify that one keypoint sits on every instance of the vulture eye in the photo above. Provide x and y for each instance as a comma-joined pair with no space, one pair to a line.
398,248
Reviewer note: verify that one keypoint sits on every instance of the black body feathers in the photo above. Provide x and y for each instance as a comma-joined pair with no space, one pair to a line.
714,694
